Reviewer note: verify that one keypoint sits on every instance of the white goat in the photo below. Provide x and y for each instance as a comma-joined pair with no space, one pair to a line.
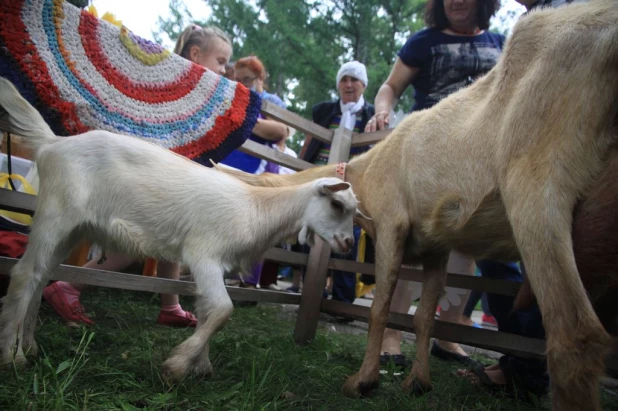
133,196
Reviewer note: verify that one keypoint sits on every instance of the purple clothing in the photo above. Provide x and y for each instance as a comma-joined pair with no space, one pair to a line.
247,162
254,277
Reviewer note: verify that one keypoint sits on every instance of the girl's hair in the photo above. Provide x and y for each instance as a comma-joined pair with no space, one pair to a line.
202,37
254,64
435,15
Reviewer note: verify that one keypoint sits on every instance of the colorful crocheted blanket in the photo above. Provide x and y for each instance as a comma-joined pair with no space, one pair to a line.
83,73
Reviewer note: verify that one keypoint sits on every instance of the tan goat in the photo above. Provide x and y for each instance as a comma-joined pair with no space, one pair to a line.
494,171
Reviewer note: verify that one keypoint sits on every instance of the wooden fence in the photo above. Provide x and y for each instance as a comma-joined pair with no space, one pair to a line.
317,263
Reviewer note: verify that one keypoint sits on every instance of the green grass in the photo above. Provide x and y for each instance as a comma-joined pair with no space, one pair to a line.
116,365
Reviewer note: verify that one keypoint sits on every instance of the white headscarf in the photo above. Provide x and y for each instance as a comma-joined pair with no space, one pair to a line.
354,69
357,70
348,112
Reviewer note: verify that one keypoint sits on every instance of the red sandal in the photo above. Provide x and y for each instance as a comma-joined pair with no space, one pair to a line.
173,319
57,298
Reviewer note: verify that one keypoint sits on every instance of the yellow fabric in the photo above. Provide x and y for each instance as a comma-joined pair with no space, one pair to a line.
362,288
93,10
107,16
27,188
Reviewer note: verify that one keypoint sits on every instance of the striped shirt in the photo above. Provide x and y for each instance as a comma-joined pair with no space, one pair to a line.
322,157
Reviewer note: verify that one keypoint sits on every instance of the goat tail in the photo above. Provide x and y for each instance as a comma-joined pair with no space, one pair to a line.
24,120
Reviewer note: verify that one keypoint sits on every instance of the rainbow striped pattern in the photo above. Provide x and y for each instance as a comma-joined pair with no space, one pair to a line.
84,74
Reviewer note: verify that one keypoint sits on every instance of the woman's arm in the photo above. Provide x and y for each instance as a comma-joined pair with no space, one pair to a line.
270,129
400,77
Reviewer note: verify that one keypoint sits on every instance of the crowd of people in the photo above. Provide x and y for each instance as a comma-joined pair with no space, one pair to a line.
454,49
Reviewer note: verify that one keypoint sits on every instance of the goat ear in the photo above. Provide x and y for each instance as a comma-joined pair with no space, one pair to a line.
306,237
311,239
359,213
302,236
328,189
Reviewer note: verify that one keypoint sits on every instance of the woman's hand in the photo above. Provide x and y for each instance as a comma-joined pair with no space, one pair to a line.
378,122
400,77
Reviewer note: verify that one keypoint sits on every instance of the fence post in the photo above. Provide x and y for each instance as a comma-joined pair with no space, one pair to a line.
315,276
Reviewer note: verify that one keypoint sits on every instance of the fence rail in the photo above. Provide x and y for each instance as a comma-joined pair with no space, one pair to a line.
110,279
297,122
318,262
364,139
25,203
270,154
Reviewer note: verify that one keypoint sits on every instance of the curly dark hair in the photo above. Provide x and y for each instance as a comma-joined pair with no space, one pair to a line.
435,16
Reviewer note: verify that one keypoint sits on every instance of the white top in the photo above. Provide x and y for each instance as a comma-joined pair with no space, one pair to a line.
285,170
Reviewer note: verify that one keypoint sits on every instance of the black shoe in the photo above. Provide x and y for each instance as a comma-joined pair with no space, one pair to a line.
447,355
397,359
392,363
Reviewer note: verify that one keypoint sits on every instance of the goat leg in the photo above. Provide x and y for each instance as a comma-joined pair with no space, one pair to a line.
418,381
576,340
389,255
214,308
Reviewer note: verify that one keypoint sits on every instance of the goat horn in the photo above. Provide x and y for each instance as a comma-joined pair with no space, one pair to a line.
360,213
215,165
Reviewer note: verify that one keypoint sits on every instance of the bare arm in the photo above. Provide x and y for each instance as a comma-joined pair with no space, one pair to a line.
270,129
400,77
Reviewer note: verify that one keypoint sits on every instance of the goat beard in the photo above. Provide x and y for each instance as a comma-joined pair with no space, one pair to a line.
306,236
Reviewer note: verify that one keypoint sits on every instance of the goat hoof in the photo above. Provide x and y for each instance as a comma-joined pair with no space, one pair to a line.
31,348
355,387
12,356
203,368
174,370
20,360
6,360
17,361
416,387
206,374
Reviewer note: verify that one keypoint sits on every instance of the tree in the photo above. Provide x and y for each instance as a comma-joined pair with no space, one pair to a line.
304,42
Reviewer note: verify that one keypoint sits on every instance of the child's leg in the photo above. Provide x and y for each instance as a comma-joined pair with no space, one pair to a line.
172,313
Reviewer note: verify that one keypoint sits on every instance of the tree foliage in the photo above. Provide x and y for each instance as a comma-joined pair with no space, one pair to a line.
304,42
